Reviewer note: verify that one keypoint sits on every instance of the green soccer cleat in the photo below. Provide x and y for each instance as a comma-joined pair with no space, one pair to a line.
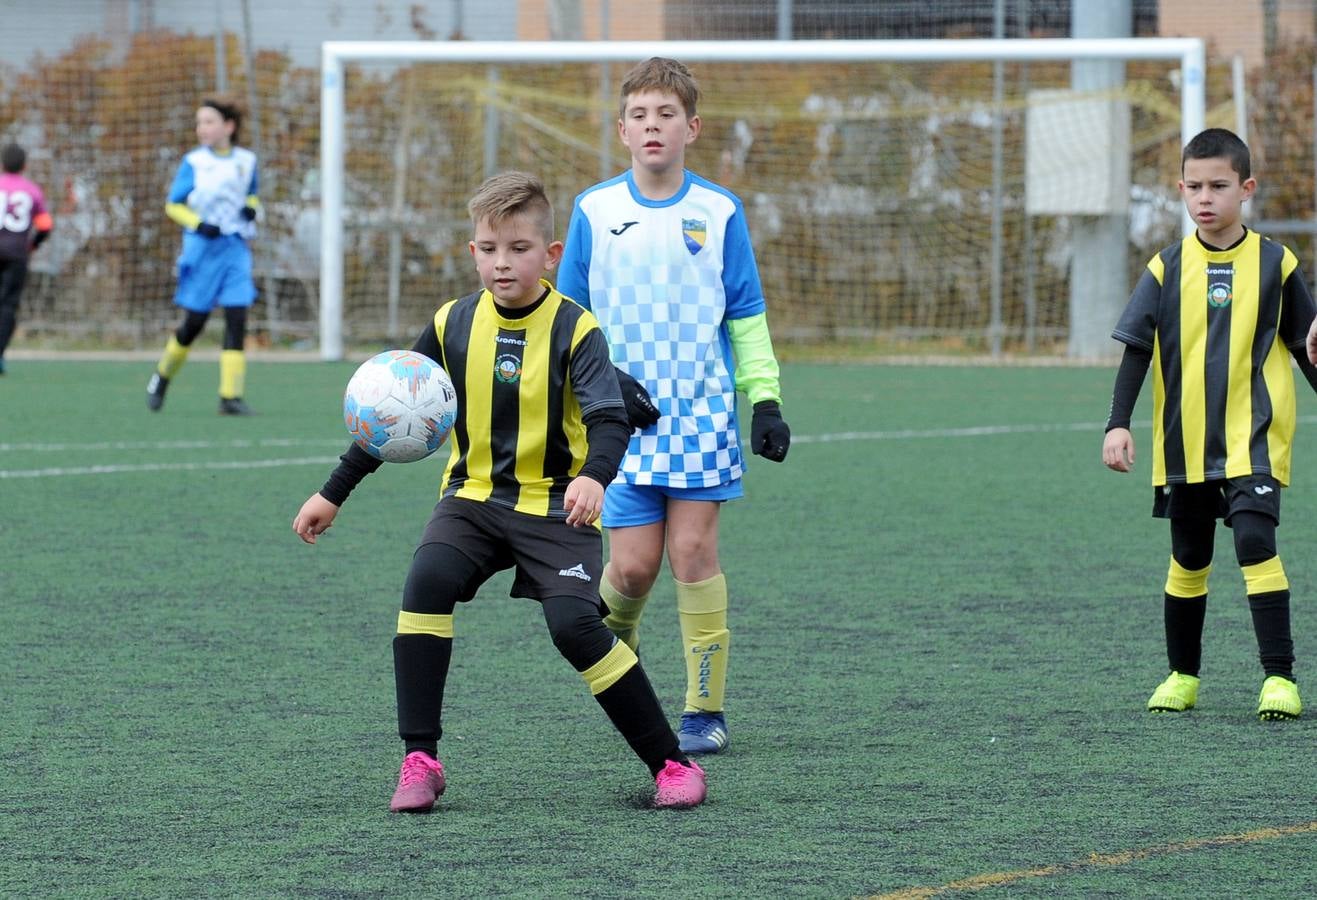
1176,694
1279,699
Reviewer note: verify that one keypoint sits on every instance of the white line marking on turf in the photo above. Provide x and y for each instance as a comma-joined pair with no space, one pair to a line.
167,467
835,437
969,431
171,445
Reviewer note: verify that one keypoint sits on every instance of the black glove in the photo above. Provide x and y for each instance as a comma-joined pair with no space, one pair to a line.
207,230
769,435
248,213
640,409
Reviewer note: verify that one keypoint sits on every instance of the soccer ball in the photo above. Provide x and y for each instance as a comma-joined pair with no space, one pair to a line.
399,406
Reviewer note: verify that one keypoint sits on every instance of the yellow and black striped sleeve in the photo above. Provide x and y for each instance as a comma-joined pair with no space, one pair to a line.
1137,326
594,383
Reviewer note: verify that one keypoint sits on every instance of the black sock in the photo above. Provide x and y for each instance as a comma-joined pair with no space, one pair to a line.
634,710
420,668
1184,632
1271,624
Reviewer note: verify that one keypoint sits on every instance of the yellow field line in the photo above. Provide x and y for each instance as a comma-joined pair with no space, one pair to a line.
1099,860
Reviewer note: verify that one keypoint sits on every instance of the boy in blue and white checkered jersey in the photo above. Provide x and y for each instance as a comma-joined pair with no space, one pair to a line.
662,257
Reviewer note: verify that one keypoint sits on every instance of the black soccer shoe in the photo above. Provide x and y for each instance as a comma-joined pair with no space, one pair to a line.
155,391
233,406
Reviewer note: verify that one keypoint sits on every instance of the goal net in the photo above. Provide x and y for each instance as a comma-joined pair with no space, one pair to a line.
897,191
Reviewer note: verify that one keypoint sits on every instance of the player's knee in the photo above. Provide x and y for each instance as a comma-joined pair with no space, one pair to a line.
1255,538
1184,582
577,629
190,327
439,578
632,577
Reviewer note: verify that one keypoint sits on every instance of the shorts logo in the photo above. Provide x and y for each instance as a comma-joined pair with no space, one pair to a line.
507,369
1262,490
1219,294
576,571
696,231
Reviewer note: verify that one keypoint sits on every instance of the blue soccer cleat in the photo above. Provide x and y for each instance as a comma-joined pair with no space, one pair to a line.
702,732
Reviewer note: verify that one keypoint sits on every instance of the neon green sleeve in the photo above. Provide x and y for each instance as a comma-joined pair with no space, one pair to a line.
756,367
183,215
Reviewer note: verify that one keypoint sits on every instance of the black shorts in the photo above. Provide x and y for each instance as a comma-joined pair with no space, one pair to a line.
553,559
1218,499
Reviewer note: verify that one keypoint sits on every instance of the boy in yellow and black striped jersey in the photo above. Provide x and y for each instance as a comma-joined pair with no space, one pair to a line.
1217,316
541,428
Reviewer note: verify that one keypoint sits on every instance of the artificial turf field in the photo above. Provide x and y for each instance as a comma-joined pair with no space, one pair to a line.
946,620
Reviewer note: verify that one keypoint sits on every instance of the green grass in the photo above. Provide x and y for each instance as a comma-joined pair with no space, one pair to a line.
943,641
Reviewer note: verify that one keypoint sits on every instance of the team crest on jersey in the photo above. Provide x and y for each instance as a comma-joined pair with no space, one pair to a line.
507,369
695,231
1219,294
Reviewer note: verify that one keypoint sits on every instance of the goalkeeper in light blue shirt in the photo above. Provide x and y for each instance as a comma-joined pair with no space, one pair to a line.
662,257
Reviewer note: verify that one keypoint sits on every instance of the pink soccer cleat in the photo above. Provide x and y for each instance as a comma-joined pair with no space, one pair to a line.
419,784
679,786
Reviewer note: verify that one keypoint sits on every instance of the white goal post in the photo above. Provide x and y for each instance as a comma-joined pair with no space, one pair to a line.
1189,52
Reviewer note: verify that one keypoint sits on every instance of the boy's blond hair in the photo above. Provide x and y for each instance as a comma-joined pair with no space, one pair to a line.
658,73
510,194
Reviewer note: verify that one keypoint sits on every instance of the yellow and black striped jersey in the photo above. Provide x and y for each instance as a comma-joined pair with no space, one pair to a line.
523,387
1220,325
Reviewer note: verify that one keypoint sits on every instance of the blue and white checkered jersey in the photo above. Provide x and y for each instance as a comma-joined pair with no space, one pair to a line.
216,187
663,277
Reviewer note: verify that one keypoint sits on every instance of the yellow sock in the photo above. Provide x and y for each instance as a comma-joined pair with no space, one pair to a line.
624,612
702,608
172,359
233,373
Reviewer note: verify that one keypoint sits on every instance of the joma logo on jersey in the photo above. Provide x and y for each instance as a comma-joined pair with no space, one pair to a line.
695,231
507,369
1219,294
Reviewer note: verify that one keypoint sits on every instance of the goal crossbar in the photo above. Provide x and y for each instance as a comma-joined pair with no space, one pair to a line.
1190,52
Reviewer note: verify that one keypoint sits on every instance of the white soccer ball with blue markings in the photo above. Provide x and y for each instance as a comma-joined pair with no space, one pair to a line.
399,406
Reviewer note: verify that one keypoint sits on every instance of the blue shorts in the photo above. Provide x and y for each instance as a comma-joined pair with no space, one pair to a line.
628,504
215,270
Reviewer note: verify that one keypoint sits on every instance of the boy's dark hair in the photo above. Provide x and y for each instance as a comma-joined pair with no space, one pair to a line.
1219,143
229,109
510,194
13,158
658,73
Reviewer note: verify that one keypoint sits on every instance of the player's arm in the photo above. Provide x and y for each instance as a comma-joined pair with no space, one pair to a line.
1118,444
757,376
594,382
42,223
178,210
1298,317
756,372
574,267
253,204
319,510
1137,330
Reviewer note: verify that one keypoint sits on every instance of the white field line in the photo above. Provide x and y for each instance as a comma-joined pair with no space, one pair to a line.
169,445
114,469
167,467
